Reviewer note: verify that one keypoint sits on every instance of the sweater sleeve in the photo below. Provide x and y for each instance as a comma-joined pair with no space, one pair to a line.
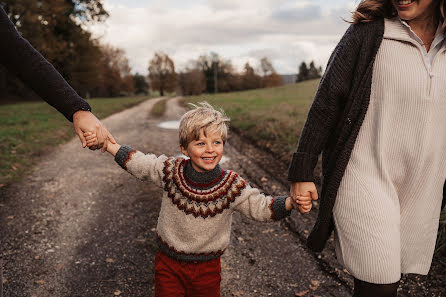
327,107
143,166
21,59
256,205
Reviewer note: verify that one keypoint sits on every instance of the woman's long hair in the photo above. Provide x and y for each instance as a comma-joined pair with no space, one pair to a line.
370,10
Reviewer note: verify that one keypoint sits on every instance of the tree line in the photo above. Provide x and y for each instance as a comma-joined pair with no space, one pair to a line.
56,28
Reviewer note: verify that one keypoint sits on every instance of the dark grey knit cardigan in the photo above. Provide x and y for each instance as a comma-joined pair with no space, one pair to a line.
335,118
21,59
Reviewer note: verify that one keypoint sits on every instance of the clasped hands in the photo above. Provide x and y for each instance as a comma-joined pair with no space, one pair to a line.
302,194
85,121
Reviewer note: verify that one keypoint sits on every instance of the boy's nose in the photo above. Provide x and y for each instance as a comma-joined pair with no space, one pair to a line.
209,148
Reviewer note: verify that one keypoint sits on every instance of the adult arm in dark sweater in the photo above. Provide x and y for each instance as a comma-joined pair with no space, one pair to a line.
20,58
327,107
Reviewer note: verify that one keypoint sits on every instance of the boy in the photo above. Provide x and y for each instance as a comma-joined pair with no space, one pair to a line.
194,223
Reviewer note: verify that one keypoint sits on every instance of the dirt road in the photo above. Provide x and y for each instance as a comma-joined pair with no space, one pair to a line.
79,225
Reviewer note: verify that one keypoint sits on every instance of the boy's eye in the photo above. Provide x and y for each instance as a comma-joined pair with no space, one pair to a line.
217,142
200,143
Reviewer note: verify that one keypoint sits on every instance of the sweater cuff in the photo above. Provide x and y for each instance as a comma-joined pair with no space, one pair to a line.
123,155
302,167
279,209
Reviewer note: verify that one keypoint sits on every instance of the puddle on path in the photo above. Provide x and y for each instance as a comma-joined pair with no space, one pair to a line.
169,125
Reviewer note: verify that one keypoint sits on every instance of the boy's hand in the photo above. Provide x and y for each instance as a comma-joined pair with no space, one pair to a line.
304,202
92,140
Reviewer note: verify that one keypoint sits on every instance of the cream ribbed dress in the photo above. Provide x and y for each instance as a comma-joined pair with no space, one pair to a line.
388,205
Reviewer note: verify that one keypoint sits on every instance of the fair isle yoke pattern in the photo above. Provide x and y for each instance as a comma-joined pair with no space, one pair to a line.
205,200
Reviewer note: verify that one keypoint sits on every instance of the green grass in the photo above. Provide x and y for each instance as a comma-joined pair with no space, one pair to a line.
273,118
28,130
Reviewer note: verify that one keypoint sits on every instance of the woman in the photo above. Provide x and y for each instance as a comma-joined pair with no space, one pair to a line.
378,118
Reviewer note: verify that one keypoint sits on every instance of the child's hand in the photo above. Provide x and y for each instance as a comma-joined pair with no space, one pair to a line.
91,139
304,202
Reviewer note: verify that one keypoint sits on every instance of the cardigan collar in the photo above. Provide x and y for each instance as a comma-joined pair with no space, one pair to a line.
201,177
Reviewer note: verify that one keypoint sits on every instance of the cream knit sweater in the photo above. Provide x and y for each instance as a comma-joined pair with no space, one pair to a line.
194,223
388,205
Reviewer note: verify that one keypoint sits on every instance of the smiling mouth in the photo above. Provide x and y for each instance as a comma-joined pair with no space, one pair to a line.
405,2
209,158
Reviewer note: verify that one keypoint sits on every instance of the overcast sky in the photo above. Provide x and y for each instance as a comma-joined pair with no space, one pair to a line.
287,32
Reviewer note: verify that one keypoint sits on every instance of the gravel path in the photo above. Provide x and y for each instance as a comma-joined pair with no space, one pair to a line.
79,225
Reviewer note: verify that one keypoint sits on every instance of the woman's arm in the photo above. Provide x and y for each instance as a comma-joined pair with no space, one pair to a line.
327,106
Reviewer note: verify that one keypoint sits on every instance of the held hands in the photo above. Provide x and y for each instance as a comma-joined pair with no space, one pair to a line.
302,193
301,203
85,121
92,140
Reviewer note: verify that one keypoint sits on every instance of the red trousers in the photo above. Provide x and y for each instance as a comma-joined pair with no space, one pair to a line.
175,278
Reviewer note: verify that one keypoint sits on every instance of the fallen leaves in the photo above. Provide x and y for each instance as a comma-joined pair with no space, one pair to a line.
303,293
110,260
117,293
315,285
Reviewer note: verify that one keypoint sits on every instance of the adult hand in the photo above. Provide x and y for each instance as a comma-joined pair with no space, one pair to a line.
300,188
85,121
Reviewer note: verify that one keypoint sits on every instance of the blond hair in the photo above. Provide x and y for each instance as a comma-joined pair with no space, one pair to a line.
371,10
202,117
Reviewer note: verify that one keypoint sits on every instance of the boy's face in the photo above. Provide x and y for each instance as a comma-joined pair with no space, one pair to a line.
206,152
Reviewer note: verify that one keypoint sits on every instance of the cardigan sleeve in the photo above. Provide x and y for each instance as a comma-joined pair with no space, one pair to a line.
142,166
21,59
327,106
260,207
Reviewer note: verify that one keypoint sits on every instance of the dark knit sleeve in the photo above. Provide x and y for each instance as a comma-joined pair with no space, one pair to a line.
21,59
327,106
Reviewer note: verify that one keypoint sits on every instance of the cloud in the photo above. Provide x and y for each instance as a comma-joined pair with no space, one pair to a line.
297,14
287,32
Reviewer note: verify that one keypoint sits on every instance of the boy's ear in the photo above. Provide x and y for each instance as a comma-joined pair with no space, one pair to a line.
184,151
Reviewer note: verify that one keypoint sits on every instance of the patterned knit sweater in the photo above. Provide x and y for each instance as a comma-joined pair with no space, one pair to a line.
194,223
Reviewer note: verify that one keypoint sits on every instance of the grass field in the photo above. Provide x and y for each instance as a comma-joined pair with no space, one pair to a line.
29,129
273,118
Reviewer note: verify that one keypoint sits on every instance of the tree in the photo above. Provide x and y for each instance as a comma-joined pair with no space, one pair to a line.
270,76
162,75
303,72
140,84
55,29
218,73
314,72
250,80
266,66
192,80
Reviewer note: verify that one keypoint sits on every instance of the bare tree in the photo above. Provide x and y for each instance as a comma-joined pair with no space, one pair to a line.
192,80
270,76
162,73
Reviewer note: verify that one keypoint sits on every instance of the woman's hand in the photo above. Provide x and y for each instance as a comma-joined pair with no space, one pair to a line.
85,121
301,188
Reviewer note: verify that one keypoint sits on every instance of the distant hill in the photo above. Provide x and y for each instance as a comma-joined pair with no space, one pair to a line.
288,78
